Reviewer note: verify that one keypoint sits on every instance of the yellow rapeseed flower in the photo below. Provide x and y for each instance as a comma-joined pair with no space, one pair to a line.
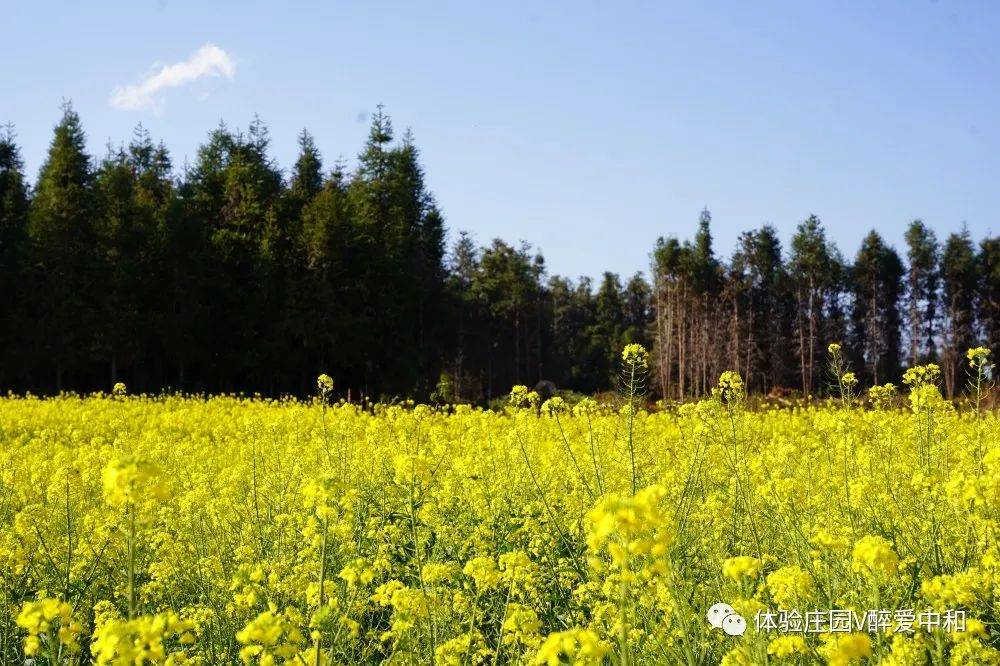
635,355
874,554
130,479
844,649
740,566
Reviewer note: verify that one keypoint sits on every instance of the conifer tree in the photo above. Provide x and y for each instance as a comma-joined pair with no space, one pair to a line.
876,283
637,311
60,229
235,192
332,303
13,276
922,291
575,354
988,299
307,174
466,316
812,274
123,236
757,266
608,324
959,284
301,285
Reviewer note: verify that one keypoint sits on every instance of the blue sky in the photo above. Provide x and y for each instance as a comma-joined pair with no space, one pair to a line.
587,129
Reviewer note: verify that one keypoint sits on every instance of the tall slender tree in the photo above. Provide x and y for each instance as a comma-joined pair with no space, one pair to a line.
60,228
133,199
576,357
876,282
608,330
687,288
922,291
988,300
235,191
812,272
13,220
637,315
959,284
765,336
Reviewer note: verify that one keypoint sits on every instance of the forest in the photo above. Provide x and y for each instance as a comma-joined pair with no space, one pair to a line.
231,275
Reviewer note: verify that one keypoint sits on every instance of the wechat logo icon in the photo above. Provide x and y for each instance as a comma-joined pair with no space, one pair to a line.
722,616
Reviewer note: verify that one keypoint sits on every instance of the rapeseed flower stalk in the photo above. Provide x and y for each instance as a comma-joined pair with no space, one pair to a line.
635,361
845,380
849,380
731,394
521,398
979,363
129,481
635,355
272,636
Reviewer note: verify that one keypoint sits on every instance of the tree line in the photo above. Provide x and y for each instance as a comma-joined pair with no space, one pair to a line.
232,276
771,313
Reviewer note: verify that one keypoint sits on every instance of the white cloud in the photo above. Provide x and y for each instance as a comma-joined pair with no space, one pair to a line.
208,61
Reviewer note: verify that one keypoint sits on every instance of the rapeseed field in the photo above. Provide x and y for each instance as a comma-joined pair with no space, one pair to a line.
227,530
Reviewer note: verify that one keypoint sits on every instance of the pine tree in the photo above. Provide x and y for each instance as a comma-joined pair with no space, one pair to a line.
988,300
187,341
384,260
466,315
235,192
332,301
417,232
300,318
122,237
637,320
959,284
705,272
876,283
13,201
507,283
922,291
62,238
431,233
812,274
13,275
766,305
575,356
307,174
608,329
